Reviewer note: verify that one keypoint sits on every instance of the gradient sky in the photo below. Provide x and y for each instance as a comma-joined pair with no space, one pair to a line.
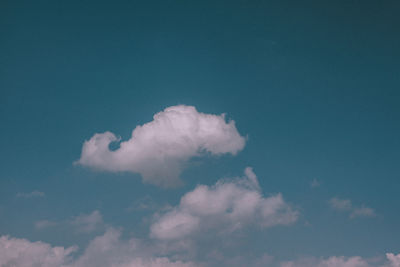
312,85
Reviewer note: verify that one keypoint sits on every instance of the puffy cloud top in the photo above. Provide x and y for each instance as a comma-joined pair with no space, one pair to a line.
158,149
226,206
23,253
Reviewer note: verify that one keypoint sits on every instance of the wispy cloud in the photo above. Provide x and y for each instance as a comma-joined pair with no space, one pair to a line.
44,224
345,205
315,183
110,249
31,194
83,223
88,223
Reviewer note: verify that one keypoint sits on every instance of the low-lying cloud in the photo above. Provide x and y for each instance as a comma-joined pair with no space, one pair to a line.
227,206
110,250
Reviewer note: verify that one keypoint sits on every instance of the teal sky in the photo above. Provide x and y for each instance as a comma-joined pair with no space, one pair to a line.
312,85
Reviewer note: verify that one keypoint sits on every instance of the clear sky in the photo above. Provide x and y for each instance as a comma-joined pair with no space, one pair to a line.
307,175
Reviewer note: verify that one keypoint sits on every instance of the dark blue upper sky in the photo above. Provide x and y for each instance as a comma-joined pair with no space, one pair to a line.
313,84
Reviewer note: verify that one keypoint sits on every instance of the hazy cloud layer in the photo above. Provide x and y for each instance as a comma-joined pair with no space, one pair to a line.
225,207
345,205
159,149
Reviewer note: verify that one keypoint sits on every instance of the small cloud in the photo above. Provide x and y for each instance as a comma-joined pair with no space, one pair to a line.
88,223
143,204
363,212
340,204
345,205
31,194
44,224
83,223
315,183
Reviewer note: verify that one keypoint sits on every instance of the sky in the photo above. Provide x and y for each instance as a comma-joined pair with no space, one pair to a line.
199,133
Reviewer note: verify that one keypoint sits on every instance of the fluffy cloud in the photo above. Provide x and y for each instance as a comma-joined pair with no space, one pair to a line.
346,205
107,250
23,253
110,250
158,149
393,259
227,206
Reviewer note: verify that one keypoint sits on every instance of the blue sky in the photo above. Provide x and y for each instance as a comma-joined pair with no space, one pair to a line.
313,89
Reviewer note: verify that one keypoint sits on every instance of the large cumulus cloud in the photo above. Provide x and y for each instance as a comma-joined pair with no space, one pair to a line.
158,149
225,207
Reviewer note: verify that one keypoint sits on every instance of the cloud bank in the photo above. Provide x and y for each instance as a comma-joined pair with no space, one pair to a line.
23,253
225,207
159,149
110,250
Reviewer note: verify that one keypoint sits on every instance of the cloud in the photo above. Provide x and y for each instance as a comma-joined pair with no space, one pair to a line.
227,206
362,212
44,224
31,194
110,250
345,205
329,262
159,149
23,253
315,183
394,260
83,223
107,250
88,223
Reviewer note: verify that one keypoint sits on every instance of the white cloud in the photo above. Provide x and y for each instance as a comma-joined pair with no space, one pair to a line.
23,253
110,250
347,206
159,149
394,260
107,250
31,194
225,207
